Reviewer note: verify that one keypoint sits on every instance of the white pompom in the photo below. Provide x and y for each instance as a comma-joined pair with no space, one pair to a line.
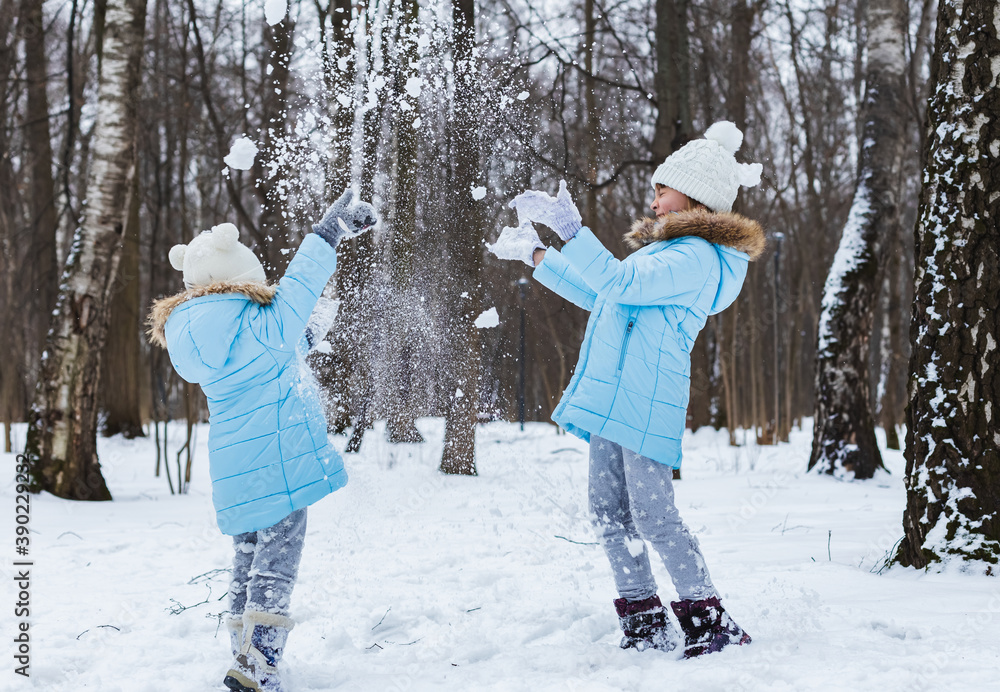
749,174
225,236
176,256
726,134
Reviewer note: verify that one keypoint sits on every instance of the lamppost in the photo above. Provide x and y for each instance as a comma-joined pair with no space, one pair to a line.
522,292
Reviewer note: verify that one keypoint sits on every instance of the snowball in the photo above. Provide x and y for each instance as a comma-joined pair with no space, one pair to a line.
478,193
413,86
324,347
488,318
241,154
459,393
726,134
275,11
749,174
523,96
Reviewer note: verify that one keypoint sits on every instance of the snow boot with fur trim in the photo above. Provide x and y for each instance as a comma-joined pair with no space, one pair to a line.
255,668
707,627
645,625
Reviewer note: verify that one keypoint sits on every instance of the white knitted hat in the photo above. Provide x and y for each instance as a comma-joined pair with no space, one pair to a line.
216,255
707,171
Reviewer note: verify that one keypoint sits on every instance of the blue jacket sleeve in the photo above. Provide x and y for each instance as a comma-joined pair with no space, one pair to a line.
556,274
281,324
676,275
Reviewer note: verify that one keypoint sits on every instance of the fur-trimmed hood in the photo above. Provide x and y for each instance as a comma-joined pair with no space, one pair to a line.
258,292
727,229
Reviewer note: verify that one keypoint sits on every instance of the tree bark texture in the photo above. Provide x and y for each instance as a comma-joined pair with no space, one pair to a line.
42,197
62,437
672,79
124,393
844,428
13,375
952,458
402,221
272,176
464,295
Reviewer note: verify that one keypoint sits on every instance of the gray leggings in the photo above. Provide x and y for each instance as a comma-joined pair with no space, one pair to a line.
631,499
266,565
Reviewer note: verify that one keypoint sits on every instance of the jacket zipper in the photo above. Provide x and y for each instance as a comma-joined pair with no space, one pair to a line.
628,335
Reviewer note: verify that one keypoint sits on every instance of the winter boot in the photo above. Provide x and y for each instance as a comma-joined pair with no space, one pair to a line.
707,627
234,623
255,668
645,625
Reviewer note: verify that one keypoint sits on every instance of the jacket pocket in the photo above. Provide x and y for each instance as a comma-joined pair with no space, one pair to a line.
628,335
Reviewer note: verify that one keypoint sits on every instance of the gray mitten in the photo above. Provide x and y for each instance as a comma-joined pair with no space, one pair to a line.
345,219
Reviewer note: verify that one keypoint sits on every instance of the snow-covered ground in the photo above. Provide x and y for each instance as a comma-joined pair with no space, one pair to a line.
416,581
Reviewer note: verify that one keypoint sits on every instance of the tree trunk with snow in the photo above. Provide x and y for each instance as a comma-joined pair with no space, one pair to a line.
844,428
402,225
952,457
62,437
465,259
273,178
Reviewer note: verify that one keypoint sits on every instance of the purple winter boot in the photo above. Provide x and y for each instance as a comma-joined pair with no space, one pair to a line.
645,625
707,627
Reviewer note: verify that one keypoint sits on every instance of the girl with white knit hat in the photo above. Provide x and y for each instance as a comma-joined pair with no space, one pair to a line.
629,393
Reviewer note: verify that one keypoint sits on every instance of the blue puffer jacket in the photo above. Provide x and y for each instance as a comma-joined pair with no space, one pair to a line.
632,381
268,450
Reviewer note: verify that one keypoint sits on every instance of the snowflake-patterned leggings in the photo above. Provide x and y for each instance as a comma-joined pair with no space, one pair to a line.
265,566
631,499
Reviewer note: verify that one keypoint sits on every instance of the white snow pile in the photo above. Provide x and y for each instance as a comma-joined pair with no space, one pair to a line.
414,580
241,154
488,318
275,11
478,192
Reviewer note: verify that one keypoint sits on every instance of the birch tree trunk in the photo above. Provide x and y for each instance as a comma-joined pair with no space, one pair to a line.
952,458
844,429
62,437
464,294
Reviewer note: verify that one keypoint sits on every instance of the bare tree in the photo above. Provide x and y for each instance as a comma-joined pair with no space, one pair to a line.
42,198
673,78
62,438
952,457
465,259
844,428
401,307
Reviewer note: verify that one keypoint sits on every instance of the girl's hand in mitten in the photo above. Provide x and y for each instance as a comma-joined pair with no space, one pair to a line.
345,219
517,243
558,213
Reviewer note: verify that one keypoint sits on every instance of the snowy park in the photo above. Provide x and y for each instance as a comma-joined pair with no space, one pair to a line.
500,345
412,580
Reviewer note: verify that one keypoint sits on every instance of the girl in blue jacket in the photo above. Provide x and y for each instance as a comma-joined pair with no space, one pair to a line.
629,393
240,338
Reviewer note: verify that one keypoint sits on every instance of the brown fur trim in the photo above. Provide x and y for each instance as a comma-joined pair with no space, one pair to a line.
718,227
259,292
